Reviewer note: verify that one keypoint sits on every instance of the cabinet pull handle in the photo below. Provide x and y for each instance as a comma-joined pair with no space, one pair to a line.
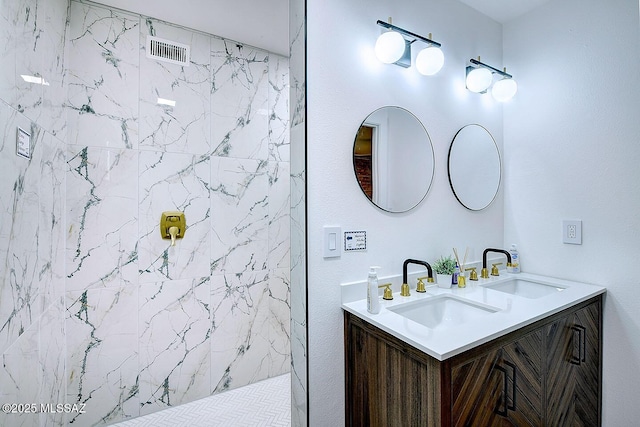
505,390
502,412
582,345
513,386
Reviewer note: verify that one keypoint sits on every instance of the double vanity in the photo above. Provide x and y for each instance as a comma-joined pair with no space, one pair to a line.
518,349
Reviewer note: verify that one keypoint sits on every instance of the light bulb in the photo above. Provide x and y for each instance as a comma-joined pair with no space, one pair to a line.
430,60
479,80
503,90
390,47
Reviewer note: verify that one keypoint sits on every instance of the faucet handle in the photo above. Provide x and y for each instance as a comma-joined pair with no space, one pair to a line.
420,287
387,294
494,269
473,275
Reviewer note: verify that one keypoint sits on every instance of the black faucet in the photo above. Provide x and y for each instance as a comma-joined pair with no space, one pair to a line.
404,290
484,273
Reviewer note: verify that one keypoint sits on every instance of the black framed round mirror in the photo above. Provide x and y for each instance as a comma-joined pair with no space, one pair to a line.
393,159
474,167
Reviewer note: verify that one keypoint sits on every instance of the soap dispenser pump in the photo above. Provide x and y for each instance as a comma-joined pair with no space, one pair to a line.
373,303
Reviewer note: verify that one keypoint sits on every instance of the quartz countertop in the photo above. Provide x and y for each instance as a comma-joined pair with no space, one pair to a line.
513,313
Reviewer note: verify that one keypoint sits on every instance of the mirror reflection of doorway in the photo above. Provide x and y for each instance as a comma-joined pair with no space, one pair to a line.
363,159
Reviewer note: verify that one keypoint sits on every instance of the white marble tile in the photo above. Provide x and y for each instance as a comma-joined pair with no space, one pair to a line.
297,63
239,200
174,182
102,214
20,231
278,108
185,127
53,116
52,361
29,28
279,215
239,100
8,19
240,334
102,354
102,105
175,347
18,384
279,322
51,243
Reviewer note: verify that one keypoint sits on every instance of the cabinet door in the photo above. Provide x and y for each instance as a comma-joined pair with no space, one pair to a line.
385,386
573,368
500,388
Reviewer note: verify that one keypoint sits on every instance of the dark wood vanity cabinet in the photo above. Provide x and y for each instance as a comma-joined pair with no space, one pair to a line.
573,368
544,374
500,387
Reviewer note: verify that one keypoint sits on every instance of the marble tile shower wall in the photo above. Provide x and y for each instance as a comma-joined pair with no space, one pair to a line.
32,194
96,303
153,325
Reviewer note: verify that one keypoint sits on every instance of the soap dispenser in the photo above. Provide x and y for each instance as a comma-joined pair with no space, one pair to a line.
373,303
515,260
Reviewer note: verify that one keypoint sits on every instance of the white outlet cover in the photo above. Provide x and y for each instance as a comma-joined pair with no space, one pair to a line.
572,238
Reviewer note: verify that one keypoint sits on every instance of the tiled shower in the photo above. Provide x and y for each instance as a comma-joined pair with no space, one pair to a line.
96,308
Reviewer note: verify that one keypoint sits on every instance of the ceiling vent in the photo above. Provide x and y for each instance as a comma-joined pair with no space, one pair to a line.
167,51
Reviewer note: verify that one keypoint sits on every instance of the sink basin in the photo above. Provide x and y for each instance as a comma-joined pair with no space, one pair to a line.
525,288
443,311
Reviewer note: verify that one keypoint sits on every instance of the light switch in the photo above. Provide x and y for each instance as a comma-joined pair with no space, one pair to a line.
331,244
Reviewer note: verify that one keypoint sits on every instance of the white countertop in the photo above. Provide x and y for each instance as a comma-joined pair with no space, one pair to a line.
514,313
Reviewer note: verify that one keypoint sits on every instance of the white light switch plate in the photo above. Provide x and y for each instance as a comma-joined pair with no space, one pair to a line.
332,242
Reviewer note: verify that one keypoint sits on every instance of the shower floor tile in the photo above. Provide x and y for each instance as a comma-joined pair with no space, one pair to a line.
266,403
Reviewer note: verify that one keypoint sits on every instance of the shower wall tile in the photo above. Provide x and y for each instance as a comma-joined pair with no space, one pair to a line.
240,215
18,384
51,243
102,213
279,321
186,127
279,215
8,29
102,106
174,182
239,100
102,354
21,233
39,51
53,116
51,361
240,333
29,27
278,108
175,345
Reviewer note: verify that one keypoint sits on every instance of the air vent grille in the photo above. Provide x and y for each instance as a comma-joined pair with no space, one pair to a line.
168,51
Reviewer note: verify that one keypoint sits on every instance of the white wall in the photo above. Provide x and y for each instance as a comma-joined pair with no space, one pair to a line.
572,151
345,84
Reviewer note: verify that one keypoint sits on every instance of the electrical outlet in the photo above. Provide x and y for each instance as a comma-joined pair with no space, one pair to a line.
572,232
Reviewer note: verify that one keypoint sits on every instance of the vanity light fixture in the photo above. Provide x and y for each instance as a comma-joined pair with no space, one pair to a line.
480,77
394,47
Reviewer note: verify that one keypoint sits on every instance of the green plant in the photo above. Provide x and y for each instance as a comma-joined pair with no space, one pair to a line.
444,265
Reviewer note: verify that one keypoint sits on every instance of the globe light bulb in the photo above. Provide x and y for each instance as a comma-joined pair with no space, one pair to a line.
430,60
390,47
503,90
479,80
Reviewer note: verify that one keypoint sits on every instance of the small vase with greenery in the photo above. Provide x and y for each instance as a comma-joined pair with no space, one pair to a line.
444,268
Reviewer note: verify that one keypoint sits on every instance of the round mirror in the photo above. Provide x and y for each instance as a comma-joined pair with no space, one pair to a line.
474,167
393,159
